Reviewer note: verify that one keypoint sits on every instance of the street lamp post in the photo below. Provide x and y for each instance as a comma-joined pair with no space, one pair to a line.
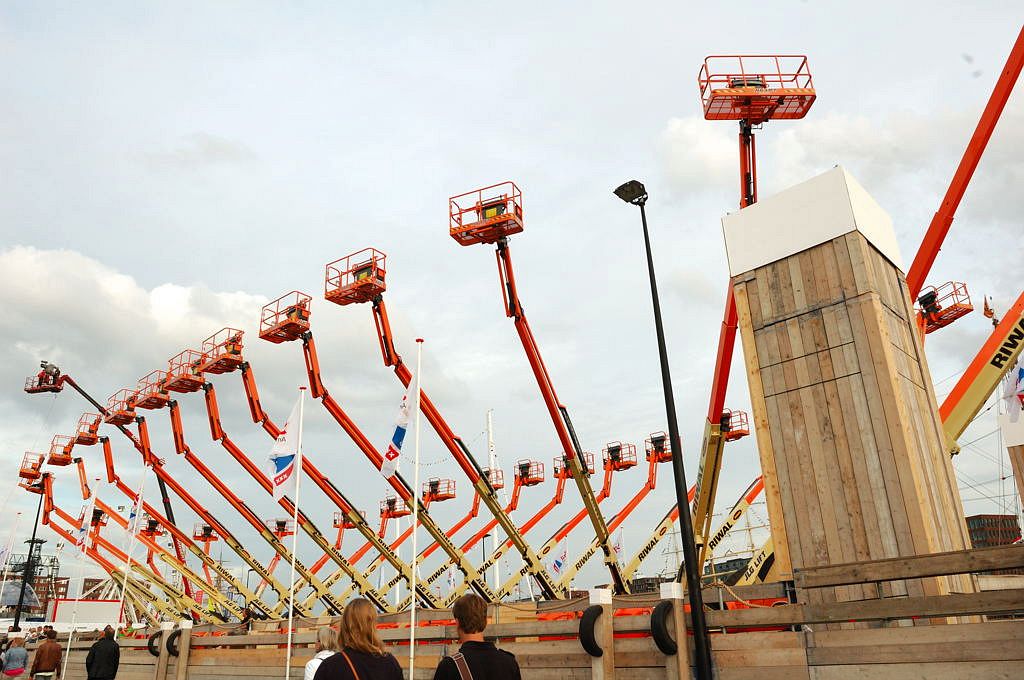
635,193
29,564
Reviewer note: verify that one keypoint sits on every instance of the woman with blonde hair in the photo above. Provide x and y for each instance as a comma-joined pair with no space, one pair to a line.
326,647
362,656
15,658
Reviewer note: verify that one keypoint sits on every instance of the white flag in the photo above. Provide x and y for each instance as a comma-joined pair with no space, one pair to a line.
391,455
82,540
451,578
561,558
285,462
617,544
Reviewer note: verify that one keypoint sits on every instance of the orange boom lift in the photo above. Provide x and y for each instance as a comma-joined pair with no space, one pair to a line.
361,277
750,89
491,215
288,319
51,379
352,516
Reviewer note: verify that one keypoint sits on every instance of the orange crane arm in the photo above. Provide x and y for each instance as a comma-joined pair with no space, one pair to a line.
330,490
943,218
558,413
400,486
459,451
243,509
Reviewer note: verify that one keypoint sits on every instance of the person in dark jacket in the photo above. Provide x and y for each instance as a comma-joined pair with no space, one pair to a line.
362,656
104,657
476,659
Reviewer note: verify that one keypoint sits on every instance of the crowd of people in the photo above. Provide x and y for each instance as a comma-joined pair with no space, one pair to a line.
352,652
355,651
101,663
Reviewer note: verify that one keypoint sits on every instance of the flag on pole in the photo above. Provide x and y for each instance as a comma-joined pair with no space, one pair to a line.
561,558
82,538
617,544
135,516
285,458
390,463
451,578
1013,391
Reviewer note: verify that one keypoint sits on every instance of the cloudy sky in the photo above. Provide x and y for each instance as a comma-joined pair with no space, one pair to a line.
168,169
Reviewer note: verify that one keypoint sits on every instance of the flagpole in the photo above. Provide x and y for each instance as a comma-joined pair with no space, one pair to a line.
7,555
415,511
133,526
83,550
297,471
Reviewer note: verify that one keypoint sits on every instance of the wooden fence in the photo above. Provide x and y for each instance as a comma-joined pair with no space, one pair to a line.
865,639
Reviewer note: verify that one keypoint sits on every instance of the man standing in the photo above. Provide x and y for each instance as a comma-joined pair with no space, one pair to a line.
476,658
46,662
104,657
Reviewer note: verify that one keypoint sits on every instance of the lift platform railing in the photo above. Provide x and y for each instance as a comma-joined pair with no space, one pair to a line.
286,318
150,392
88,431
355,266
222,351
332,492
60,450
120,409
756,88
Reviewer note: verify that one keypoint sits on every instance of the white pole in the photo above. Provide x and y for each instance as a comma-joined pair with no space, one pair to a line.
133,525
7,555
74,612
415,511
492,463
295,535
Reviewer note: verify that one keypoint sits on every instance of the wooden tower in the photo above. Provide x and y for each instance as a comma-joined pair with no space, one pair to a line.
851,445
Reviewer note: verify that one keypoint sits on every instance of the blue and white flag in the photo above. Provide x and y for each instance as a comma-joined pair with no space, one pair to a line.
560,559
285,460
389,465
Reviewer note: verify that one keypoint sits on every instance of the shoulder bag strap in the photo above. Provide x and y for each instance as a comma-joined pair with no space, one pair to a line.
460,663
355,674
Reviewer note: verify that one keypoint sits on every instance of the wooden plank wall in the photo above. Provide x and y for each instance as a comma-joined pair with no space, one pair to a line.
850,440
1017,463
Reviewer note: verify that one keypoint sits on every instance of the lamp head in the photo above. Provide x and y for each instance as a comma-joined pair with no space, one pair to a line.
632,192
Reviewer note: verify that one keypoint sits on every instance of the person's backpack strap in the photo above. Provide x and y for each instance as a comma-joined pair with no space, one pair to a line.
355,674
460,663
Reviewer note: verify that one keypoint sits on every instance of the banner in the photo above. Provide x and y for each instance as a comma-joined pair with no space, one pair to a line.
285,460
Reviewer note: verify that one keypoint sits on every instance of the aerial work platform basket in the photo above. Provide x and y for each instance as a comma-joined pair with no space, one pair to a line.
88,431
618,456
486,215
342,521
756,88
393,507
31,466
496,477
735,425
150,527
34,384
356,278
151,392
657,447
119,407
561,470
60,450
436,490
222,351
203,532
183,371
529,472
286,318
939,307
280,527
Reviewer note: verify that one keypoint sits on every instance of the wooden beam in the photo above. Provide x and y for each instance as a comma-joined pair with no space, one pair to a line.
937,564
